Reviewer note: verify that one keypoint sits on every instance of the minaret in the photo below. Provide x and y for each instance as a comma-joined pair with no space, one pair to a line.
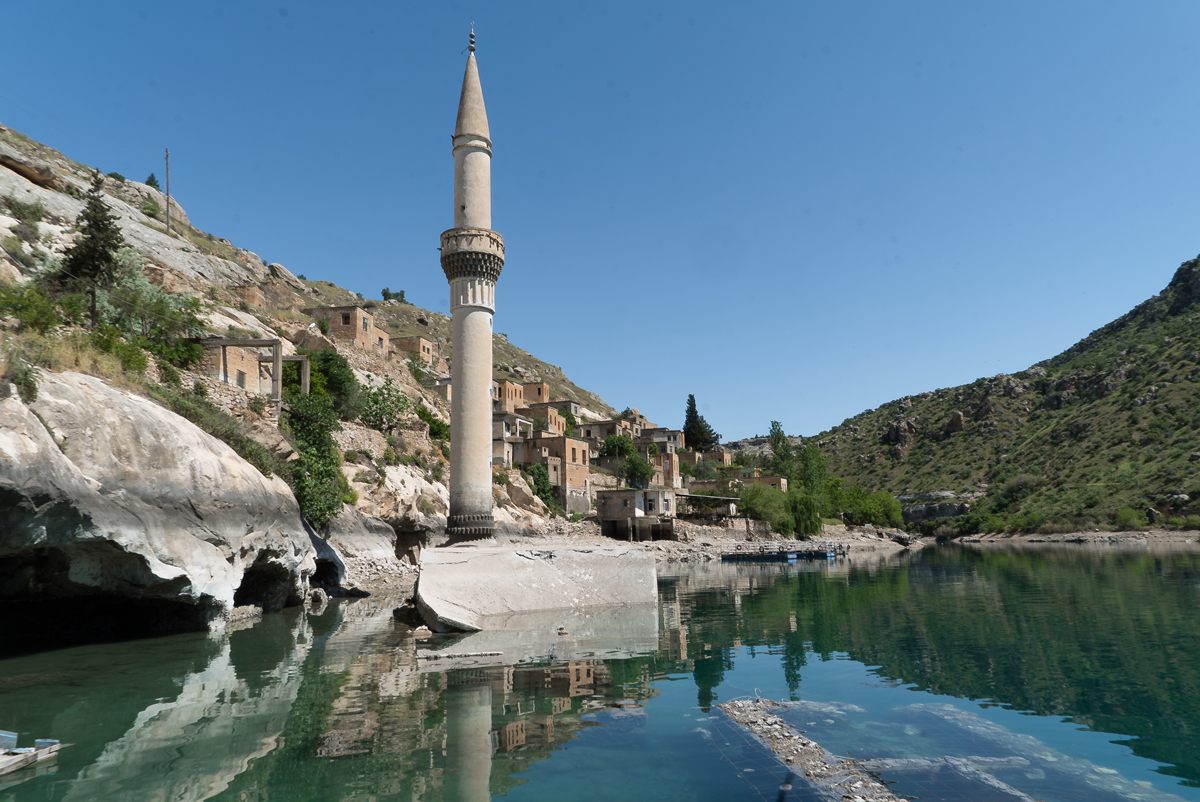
472,257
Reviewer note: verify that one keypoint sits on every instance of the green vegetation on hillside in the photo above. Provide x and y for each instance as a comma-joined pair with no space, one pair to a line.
1107,434
812,495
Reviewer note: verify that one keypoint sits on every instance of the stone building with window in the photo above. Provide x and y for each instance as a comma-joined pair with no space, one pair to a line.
353,324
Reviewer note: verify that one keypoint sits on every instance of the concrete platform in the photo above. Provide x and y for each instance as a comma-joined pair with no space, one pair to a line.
461,587
548,636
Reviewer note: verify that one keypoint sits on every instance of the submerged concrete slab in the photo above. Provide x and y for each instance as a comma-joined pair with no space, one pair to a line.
461,587
548,636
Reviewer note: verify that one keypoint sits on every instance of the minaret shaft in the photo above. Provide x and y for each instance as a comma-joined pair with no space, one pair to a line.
472,258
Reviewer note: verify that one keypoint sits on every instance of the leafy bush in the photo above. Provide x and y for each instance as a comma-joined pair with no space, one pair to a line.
384,407
539,480
117,176
32,308
331,376
768,504
257,404
30,213
150,208
25,376
438,430
390,457
13,247
317,478
168,374
1128,519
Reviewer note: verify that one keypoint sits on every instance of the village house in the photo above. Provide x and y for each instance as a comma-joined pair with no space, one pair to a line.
778,482
353,324
507,396
238,366
718,454
536,392
664,437
509,431
546,418
573,458
634,514
598,430
417,348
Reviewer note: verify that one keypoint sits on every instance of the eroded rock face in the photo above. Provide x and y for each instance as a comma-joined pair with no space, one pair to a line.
108,499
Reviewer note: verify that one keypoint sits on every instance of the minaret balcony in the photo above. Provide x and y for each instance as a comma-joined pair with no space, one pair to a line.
472,252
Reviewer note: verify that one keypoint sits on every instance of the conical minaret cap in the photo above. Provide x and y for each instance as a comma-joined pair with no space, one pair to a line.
472,116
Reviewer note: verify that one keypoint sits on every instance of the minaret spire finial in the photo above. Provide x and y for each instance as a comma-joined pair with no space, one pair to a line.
471,39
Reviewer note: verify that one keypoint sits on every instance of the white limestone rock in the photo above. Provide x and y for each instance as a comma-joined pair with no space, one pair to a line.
106,493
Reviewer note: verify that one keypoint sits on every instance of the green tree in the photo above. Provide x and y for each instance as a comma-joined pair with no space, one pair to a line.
572,423
783,453
152,181
811,470
637,471
618,445
90,264
384,407
697,434
806,512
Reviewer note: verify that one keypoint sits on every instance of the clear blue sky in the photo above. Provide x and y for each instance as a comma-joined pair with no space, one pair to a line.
796,210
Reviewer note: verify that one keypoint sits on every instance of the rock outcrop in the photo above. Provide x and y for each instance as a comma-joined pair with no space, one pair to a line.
111,505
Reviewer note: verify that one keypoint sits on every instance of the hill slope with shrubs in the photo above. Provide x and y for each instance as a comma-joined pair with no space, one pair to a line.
1105,434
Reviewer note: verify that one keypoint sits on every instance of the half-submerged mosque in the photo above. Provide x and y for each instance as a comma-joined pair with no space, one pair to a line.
472,258
474,583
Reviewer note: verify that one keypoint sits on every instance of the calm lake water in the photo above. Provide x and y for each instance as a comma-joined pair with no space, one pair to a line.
1057,674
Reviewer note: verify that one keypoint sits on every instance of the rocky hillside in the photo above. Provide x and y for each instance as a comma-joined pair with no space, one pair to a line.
35,176
1112,422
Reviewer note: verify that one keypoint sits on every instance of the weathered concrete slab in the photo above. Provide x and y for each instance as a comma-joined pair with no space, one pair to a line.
549,636
463,586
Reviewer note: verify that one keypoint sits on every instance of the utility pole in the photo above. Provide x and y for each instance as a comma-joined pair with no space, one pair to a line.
168,192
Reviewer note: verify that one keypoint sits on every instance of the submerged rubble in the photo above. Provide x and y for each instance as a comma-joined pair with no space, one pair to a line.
829,777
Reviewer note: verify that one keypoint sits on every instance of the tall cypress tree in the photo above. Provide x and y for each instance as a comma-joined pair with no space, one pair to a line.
90,264
697,434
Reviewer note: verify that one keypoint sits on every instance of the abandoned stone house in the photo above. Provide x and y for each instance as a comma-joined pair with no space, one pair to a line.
718,455
353,324
417,348
778,482
572,458
598,430
507,396
238,366
509,433
636,514
546,418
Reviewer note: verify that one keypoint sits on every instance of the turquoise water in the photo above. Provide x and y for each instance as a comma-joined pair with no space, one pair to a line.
1075,673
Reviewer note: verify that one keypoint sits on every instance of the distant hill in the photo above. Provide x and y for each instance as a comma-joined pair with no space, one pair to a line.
1113,422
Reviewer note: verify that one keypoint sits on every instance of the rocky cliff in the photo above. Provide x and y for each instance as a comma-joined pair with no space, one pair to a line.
108,501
